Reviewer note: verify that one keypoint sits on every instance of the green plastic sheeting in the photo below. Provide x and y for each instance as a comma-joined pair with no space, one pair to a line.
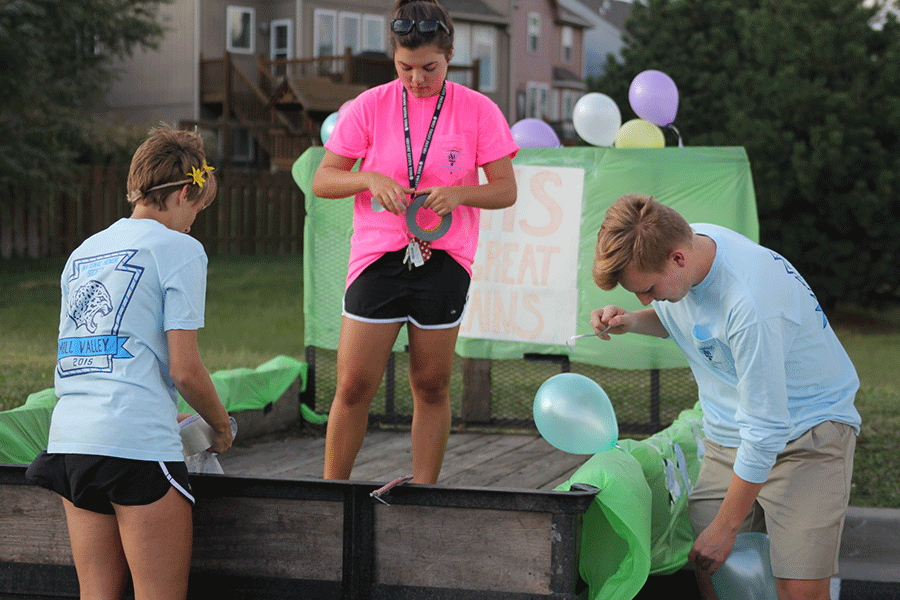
711,185
638,524
24,430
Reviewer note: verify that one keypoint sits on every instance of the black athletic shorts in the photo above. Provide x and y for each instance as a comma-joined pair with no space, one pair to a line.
432,296
95,483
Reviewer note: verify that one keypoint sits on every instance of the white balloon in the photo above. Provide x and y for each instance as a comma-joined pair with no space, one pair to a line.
597,119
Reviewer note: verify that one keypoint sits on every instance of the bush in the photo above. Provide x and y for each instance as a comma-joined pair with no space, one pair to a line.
812,91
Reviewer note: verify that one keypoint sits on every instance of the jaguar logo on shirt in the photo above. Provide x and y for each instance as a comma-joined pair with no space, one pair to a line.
89,302
707,351
101,288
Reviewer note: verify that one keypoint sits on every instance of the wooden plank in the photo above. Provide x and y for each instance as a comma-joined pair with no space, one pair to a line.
478,467
269,537
283,459
461,464
518,461
476,390
33,526
463,548
541,468
391,457
489,474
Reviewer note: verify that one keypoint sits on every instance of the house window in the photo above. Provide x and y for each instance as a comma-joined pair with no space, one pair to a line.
282,40
553,110
569,99
534,31
462,53
471,42
373,33
243,147
349,32
484,48
241,23
325,32
536,99
567,43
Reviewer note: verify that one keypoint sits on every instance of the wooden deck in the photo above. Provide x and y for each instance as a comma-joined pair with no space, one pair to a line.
494,460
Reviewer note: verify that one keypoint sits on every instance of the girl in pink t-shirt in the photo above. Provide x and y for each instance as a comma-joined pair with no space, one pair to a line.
418,135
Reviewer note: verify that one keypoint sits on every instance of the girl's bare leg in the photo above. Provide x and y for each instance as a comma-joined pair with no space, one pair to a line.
97,551
430,363
157,539
363,352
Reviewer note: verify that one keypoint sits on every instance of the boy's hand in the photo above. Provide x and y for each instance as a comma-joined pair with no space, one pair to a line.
610,320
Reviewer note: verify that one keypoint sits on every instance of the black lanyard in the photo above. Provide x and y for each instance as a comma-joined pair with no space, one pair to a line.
415,177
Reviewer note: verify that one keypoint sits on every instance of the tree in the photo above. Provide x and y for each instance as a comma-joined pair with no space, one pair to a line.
812,91
58,60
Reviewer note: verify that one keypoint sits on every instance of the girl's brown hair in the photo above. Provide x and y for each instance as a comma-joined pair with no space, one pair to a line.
168,159
422,10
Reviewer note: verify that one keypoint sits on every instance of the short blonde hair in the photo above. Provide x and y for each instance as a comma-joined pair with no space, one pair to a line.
638,231
165,161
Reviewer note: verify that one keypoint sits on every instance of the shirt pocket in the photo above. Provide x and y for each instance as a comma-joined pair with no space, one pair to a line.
453,157
713,350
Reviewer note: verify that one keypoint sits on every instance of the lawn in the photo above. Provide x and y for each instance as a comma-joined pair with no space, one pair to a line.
254,312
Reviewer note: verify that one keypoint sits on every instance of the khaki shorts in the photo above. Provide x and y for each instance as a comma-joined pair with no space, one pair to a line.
801,506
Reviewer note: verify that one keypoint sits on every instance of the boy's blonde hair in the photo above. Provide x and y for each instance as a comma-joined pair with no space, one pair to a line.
637,231
168,159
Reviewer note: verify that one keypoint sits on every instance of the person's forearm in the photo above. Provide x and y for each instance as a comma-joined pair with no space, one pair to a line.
646,322
197,389
497,194
738,501
332,182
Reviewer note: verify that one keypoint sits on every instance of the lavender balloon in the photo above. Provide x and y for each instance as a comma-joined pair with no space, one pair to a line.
654,97
534,133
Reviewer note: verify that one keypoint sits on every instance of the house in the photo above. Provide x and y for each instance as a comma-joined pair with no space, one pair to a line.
607,19
263,74
547,76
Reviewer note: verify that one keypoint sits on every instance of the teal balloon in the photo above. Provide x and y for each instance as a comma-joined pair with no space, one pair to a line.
328,126
574,414
747,572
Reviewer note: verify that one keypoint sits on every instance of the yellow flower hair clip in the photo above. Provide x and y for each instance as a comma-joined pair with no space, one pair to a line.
198,176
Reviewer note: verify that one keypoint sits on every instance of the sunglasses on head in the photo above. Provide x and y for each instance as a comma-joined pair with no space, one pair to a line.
425,26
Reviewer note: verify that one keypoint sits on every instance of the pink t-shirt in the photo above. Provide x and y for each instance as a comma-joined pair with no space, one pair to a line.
471,132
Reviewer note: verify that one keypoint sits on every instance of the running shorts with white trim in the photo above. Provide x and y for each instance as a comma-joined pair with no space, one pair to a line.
431,296
95,483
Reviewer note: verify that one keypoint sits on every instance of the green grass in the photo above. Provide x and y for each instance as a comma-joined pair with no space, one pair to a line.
254,312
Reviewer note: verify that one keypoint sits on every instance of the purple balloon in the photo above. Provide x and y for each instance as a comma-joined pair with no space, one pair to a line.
534,133
654,97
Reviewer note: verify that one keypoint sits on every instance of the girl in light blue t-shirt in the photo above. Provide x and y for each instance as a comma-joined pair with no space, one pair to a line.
133,297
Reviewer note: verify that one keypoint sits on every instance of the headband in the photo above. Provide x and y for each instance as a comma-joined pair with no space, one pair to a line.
197,177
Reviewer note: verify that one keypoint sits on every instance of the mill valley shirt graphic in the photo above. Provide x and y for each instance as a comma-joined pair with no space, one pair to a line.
100,289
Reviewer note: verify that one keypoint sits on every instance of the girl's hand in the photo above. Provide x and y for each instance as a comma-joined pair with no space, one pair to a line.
222,441
388,193
442,200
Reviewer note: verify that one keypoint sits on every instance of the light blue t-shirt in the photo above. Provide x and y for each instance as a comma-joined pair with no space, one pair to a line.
767,363
122,289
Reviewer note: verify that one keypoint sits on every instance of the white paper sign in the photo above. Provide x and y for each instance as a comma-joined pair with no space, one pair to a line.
524,277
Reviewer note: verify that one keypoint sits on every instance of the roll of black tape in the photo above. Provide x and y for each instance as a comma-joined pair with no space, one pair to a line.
429,235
